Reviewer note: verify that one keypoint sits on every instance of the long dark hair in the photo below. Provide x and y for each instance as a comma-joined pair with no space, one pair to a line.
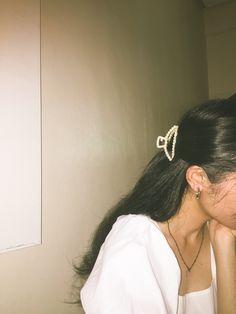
207,138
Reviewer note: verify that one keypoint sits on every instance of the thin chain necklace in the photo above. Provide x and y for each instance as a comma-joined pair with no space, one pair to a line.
191,266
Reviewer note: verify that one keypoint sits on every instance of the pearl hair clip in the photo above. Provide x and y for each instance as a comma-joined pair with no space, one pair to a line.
162,141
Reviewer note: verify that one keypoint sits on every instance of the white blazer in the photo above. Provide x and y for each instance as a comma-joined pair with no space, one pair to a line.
136,271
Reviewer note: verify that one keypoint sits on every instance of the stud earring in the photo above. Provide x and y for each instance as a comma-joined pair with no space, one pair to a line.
197,195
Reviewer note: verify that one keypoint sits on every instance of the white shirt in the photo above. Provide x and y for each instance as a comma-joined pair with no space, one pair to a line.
198,302
136,272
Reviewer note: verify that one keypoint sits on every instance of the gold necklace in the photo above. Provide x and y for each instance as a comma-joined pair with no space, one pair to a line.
180,254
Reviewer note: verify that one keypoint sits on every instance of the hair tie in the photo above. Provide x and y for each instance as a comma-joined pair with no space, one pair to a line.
162,141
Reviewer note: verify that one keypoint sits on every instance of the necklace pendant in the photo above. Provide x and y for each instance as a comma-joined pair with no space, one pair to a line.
180,254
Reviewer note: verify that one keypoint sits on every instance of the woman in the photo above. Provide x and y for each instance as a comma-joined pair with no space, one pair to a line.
169,245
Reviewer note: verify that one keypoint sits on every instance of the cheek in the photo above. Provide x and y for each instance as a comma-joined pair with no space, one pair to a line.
224,210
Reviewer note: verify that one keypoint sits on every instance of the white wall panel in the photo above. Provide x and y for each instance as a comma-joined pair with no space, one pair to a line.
20,124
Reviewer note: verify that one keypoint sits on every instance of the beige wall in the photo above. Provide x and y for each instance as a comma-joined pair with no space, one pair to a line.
221,49
115,75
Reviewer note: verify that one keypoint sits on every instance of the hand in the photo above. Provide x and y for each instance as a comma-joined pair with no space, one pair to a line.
221,236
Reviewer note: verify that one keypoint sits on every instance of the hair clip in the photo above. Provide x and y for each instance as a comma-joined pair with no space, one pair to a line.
162,141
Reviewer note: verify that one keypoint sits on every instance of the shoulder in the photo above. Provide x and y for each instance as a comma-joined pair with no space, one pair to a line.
131,222
136,239
131,237
130,228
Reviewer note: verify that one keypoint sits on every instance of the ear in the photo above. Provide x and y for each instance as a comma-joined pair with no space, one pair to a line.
197,178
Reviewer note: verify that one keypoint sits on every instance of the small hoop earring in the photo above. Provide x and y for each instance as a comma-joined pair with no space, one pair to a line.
197,195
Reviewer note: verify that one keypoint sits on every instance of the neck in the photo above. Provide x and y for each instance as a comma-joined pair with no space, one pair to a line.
189,220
